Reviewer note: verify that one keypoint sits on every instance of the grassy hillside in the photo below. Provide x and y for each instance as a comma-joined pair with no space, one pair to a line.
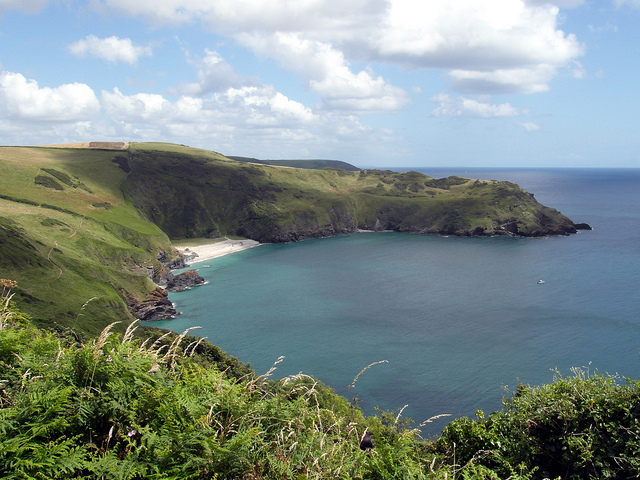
311,164
79,226
68,234
196,195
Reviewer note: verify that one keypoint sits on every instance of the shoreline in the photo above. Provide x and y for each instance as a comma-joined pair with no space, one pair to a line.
217,249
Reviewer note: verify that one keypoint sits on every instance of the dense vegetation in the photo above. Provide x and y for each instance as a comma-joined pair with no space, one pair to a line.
175,407
188,193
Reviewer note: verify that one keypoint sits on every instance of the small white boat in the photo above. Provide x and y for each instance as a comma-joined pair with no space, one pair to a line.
540,282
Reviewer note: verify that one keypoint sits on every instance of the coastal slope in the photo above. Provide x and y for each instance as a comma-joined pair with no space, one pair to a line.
188,194
87,229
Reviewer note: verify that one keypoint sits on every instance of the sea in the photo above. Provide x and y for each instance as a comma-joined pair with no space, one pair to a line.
432,325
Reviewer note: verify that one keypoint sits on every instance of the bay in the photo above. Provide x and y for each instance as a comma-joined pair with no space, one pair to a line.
460,321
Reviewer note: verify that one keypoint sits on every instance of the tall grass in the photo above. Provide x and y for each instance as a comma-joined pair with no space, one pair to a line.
163,408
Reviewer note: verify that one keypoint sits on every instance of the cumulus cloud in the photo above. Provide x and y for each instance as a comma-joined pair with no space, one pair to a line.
515,80
503,46
214,75
24,100
253,118
111,49
237,107
461,106
325,70
495,46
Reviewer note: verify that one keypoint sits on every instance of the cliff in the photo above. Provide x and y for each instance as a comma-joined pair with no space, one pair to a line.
79,227
192,196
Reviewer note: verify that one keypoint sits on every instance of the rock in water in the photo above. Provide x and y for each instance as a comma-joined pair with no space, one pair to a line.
185,280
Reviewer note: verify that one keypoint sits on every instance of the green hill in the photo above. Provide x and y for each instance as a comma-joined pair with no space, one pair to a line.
80,226
312,164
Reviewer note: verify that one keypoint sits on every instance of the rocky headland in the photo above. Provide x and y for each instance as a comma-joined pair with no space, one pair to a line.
91,221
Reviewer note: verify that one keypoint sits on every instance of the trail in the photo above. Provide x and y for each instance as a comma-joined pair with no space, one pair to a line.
55,245
77,228
31,181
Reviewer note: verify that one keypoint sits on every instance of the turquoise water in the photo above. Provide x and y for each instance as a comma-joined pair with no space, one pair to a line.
460,320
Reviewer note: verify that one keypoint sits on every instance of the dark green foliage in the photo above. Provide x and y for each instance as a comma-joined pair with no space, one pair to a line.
52,222
47,182
580,427
16,250
63,177
446,183
19,200
105,205
123,163
60,209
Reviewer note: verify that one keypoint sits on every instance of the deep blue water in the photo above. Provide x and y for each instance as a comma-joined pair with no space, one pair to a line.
460,320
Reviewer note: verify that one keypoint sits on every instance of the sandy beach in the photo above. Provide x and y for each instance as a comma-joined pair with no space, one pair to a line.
213,250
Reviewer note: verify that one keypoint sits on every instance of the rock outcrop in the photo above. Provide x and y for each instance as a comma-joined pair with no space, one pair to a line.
184,280
583,226
177,261
155,306
164,276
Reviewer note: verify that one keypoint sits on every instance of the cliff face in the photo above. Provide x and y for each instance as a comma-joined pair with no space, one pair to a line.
188,196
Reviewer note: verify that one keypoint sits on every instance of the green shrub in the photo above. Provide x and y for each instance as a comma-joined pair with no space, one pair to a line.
63,177
578,427
47,182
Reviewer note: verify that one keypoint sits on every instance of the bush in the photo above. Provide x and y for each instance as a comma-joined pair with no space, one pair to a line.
582,427
48,182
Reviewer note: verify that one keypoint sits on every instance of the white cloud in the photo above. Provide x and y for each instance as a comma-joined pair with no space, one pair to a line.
29,6
557,3
248,119
516,80
214,75
607,27
530,126
579,70
234,108
325,70
629,3
22,99
461,106
111,49
317,39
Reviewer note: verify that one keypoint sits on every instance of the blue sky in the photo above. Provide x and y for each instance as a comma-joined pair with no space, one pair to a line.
378,83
